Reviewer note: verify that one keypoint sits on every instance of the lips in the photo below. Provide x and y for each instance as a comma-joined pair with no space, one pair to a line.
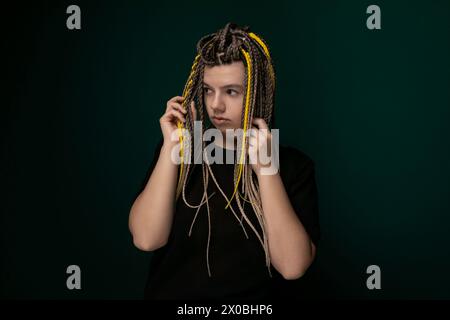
219,119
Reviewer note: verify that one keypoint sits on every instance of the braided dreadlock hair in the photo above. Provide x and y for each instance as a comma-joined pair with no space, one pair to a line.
227,45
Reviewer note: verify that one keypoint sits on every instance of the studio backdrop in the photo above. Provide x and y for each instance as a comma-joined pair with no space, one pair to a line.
362,88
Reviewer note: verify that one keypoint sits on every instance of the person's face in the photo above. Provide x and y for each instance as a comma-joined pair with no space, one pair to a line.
224,94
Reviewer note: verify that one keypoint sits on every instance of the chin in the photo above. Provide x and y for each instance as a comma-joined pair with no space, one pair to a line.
224,127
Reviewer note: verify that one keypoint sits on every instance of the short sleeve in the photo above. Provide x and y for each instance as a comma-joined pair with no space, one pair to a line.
302,192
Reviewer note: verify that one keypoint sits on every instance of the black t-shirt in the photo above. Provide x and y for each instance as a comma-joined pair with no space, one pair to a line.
238,268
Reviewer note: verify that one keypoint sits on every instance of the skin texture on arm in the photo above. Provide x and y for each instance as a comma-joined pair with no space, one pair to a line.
151,216
290,247
232,81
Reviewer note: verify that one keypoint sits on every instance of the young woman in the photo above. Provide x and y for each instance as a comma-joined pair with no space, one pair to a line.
226,230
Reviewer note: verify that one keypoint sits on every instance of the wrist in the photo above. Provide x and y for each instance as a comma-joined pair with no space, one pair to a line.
166,152
266,173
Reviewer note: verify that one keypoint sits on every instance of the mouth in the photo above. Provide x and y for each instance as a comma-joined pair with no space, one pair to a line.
219,120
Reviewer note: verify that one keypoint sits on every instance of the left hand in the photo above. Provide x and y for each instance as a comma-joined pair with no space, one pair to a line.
259,150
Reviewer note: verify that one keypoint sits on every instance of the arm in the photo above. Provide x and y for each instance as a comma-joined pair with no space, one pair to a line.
290,246
151,215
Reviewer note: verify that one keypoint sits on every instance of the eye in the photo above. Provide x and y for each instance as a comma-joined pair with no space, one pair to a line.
232,92
206,90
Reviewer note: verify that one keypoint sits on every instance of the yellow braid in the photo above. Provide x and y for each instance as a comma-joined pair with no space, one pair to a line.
247,103
266,51
261,43
180,124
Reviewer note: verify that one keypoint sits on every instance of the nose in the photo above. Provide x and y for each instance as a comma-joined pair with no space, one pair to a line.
218,105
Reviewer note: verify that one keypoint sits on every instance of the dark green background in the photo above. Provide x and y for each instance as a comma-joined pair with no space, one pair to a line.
80,121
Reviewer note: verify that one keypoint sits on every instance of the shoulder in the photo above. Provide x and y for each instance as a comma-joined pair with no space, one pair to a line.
292,158
295,166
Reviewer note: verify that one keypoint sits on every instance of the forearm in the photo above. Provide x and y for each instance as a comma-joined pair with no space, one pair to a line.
290,246
151,215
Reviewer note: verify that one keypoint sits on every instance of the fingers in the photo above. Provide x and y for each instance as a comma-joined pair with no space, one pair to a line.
260,123
259,133
178,99
175,109
174,114
175,102
194,111
253,137
176,106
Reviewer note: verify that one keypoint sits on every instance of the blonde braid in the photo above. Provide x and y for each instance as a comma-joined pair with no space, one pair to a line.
223,47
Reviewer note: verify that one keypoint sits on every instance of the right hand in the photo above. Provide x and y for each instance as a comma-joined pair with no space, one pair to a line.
174,113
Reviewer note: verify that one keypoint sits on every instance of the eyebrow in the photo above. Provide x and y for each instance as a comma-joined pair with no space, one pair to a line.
228,86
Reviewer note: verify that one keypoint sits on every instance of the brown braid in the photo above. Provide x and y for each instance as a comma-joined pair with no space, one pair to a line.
224,47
